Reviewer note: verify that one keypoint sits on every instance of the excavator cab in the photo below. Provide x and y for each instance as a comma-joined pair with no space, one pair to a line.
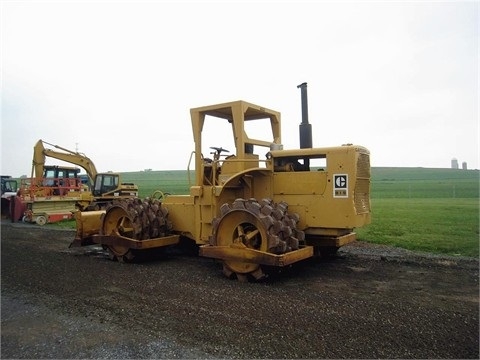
105,183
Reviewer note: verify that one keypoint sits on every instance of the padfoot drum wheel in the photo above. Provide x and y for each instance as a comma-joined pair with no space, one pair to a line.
265,226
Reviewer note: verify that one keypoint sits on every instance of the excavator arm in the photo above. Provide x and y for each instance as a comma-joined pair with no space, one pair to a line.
40,153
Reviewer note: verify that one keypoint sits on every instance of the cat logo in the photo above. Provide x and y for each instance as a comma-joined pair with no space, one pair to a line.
340,186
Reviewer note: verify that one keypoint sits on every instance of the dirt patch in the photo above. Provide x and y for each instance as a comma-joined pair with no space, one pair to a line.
368,302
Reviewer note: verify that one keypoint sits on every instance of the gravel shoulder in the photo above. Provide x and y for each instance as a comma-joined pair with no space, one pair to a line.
368,302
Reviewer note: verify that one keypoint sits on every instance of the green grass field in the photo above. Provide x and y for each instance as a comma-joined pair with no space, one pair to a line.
424,183
172,181
433,210
444,226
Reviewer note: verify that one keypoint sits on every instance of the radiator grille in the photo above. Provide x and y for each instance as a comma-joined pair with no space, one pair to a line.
363,165
362,185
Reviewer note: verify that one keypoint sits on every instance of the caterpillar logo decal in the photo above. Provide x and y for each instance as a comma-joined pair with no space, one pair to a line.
340,185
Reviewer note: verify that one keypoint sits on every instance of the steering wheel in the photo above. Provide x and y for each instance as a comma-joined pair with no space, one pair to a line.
218,151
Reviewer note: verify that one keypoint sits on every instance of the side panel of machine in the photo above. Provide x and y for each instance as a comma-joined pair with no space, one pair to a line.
336,196
184,215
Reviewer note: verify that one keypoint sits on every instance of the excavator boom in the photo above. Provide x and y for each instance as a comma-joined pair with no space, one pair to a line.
40,153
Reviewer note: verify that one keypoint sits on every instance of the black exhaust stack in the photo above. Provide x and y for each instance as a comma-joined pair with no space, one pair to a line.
305,128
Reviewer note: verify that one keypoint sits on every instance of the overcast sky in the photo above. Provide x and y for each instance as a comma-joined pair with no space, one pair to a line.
116,79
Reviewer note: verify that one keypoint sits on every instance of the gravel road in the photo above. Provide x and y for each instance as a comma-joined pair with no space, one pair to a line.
368,302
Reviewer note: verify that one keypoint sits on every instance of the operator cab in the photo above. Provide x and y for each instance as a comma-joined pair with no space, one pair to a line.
105,183
60,178
245,127
9,186
54,173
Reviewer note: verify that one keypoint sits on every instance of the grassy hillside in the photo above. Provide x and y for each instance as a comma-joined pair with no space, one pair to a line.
385,182
424,183
170,181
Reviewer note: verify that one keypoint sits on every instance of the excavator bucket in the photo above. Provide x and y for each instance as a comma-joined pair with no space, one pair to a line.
89,223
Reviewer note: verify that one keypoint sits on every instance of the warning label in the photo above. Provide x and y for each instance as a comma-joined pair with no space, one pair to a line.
340,185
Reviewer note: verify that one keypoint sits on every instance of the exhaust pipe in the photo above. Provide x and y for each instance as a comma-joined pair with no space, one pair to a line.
305,128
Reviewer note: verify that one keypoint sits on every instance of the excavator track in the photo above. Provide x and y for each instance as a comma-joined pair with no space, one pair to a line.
135,219
260,225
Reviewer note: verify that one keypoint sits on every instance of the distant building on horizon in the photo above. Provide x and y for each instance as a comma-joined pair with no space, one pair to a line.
454,163
464,165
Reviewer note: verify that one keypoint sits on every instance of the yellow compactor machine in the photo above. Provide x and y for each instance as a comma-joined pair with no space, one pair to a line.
258,206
